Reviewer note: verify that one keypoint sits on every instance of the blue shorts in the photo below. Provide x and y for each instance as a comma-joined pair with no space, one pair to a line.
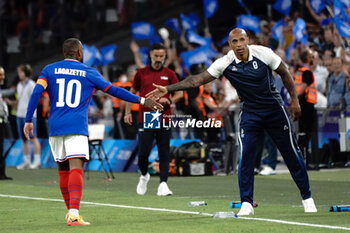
20,125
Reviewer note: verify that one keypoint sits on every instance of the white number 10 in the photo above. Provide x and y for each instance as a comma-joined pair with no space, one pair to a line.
68,94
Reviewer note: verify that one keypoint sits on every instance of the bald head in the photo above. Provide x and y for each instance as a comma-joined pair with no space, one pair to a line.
238,41
73,49
238,31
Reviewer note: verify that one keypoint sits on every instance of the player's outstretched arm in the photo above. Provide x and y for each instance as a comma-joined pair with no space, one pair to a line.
294,108
123,94
187,83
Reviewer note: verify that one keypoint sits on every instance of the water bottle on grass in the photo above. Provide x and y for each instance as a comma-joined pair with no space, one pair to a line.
197,203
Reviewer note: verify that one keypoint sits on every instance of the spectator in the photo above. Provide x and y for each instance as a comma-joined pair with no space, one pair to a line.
24,90
336,85
3,121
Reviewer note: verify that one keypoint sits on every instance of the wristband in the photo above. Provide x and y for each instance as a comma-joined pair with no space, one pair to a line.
142,101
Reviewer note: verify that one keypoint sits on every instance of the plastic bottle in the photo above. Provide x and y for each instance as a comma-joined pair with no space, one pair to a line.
234,204
340,208
225,215
196,203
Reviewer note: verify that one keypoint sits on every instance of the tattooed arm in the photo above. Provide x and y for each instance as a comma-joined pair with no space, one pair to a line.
189,82
288,82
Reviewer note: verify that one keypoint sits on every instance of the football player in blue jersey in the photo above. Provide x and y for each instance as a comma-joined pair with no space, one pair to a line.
249,69
70,85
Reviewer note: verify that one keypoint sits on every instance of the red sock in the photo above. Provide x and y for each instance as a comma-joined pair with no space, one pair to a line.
75,187
64,176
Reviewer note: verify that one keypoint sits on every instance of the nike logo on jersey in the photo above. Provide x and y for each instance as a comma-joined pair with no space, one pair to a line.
73,72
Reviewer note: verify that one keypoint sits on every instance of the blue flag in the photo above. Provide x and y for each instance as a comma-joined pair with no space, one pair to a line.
194,19
243,5
155,39
186,23
283,6
144,55
339,11
277,31
326,21
346,3
299,31
210,7
89,54
108,54
343,27
318,5
142,30
98,58
249,22
195,38
198,56
173,24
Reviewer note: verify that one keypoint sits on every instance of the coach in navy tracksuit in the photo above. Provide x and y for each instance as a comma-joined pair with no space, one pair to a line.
249,69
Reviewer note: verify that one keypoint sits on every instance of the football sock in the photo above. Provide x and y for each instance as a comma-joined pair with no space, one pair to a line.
64,176
75,188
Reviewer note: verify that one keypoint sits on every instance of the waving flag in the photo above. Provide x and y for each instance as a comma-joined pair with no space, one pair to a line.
283,6
108,54
299,31
343,27
326,21
244,6
210,7
339,11
346,3
155,39
223,40
194,18
89,54
198,56
142,30
195,38
186,23
318,5
144,55
277,31
173,24
249,22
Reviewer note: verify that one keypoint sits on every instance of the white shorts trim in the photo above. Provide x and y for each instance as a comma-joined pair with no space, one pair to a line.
65,147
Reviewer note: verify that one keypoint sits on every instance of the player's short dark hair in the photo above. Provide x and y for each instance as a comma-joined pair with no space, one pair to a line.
70,47
157,46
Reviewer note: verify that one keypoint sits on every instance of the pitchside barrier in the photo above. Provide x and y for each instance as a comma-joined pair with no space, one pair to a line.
333,138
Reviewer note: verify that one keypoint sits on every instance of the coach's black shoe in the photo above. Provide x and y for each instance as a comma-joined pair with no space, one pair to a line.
5,178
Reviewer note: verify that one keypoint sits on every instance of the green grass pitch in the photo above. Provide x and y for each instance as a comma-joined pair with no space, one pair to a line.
277,196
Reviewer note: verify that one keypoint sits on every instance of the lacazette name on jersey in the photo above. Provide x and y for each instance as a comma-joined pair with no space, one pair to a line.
67,71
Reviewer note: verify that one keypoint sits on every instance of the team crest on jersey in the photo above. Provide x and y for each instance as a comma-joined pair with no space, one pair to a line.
255,65
234,68
242,133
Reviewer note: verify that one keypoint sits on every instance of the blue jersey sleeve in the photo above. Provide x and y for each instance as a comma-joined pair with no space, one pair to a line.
106,86
123,94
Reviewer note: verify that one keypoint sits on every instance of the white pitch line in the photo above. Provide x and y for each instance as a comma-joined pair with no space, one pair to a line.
182,212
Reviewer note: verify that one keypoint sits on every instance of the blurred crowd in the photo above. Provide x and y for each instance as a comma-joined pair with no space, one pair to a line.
330,63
